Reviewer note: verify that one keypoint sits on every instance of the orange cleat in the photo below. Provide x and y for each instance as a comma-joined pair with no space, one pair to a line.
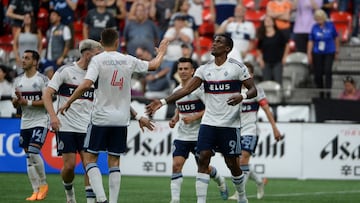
33,197
43,190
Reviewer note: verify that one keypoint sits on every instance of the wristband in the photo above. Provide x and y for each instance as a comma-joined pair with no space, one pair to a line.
29,102
244,95
163,102
138,117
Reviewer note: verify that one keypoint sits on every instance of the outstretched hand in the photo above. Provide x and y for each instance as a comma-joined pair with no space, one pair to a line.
147,123
153,107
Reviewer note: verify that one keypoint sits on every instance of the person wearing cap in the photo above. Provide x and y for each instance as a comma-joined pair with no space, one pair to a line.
350,91
71,128
58,37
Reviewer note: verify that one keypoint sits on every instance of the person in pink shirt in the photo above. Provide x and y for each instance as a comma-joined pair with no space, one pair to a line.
350,91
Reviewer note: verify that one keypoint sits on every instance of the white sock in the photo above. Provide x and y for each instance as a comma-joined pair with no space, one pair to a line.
202,183
114,184
95,179
175,186
69,191
90,195
39,166
215,175
255,177
33,176
239,184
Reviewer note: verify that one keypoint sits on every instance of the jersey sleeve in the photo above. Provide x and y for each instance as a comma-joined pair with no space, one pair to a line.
56,80
93,71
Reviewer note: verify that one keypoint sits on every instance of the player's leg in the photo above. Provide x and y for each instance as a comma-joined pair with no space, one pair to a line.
116,137
89,193
93,144
230,147
67,175
36,142
180,154
25,136
205,145
220,181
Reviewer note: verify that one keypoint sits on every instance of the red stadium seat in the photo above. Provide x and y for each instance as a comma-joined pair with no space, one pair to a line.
205,45
249,4
263,4
6,43
43,20
78,32
343,24
255,16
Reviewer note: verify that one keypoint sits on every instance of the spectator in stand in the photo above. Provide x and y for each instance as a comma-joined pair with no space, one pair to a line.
271,50
328,6
58,37
304,20
196,10
6,87
223,9
118,10
182,9
242,32
280,10
97,20
350,91
343,6
141,31
323,47
164,10
149,6
27,38
178,34
16,12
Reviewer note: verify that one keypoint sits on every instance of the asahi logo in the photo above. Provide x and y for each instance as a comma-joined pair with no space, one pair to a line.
270,148
146,146
340,150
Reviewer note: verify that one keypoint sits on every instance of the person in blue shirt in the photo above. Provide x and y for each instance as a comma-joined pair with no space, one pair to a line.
322,48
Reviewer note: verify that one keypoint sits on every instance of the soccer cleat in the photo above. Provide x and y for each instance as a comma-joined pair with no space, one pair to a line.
32,197
175,201
43,190
235,196
223,189
260,188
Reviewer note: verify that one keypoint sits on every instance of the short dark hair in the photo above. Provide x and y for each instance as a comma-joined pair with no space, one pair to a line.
228,41
109,36
349,79
35,54
249,66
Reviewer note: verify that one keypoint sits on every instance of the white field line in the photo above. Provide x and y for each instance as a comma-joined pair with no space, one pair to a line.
306,193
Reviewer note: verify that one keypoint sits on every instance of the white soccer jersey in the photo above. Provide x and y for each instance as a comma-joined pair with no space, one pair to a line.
220,83
241,34
31,89
188,106
65,81
249,110
111,72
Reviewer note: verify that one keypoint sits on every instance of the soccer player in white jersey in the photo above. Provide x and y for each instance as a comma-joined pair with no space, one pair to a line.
219,129
249,132
111,72
188,113
34,121
71,128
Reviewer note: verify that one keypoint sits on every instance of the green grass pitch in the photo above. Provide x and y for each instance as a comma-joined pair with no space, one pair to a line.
134,189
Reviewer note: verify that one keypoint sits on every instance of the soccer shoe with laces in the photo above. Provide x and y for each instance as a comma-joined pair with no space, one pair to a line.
223,189
43,190
32,197
260,188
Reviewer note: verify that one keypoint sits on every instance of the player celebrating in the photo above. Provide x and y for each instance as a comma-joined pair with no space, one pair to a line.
188,113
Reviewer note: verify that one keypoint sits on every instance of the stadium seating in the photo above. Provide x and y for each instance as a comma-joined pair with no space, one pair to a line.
6,43
272,90
78,32
295,72
255,16
343,24
43,20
